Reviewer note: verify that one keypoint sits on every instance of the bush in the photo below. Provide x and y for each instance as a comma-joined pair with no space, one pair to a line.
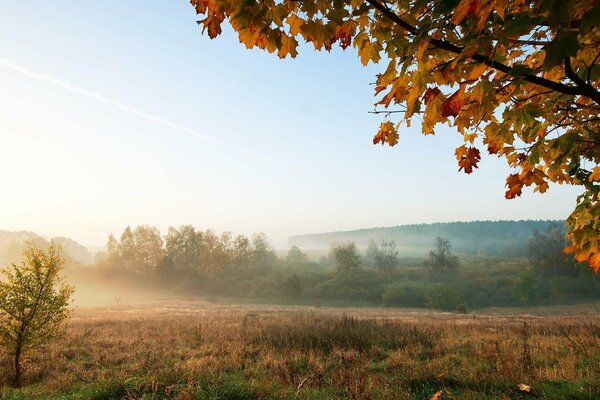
291,288
354,287
442,297
526,288
405,294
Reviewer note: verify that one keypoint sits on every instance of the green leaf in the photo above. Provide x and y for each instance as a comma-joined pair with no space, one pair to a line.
591,18
565,45
519,24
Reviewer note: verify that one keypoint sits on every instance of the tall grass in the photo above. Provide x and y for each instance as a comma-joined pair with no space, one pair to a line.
191,351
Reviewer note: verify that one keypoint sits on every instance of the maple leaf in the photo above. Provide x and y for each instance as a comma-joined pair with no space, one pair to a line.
344,33
595,175
430,94
451,107
467,158
288,46
594,262
387,134
465,9
515,186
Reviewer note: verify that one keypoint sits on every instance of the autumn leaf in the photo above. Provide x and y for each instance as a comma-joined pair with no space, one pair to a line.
437,395
464,9
429,94
387,134
595,175
524,388
288,46
468,158
515,186
594,262
344,33
452,106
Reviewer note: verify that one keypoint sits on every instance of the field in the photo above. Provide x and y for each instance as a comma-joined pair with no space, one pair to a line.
174,349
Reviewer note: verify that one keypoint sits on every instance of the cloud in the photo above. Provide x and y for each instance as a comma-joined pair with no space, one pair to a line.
48,78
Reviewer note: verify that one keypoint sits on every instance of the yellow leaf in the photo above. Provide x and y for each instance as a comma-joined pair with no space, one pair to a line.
288,46
421,48
595,176
524,388
295,23
470,137
476,72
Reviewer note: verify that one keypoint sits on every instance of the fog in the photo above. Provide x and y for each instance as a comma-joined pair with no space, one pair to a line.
445,266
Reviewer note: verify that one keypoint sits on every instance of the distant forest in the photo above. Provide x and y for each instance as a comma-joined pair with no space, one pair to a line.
531,267
483,238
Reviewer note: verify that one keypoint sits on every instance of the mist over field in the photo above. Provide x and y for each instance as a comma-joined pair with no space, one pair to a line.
447,266
197,314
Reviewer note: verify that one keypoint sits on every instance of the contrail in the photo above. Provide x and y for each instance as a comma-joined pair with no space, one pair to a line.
132,110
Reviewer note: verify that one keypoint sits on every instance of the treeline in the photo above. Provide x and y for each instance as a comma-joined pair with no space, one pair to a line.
485,238
183,255
193,262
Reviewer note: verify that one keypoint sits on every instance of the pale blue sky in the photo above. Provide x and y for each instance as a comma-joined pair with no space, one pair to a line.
121,112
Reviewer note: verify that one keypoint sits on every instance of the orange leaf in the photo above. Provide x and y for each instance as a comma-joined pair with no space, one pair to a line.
515,186
451,107
595,175
594,262
387,134
344,33
468,159
465,9
438,395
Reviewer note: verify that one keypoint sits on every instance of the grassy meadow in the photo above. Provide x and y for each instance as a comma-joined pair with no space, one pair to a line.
192,349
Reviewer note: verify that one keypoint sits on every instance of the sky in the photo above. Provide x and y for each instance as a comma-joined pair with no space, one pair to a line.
116,113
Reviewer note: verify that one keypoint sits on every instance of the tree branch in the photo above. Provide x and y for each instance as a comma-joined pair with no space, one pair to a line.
583,85
445,45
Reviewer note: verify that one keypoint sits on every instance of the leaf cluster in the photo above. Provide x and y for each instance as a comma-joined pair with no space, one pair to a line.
518,78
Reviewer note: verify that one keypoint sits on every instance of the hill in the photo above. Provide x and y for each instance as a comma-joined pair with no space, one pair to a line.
11,246
498,238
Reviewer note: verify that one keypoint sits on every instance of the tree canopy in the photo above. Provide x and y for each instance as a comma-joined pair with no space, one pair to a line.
518,78
34,301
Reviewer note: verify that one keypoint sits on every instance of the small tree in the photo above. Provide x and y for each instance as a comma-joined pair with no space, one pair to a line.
546,253
526,288
347,258
291,288
34,302
443,297
387,259
295,257
441,260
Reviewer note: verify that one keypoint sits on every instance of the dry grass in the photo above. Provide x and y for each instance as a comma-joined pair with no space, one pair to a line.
193,350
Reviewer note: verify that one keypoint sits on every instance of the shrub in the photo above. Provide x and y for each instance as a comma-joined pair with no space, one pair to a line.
526,288
406,294
442,296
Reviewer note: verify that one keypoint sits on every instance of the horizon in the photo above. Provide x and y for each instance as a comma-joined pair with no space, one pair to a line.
280,247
